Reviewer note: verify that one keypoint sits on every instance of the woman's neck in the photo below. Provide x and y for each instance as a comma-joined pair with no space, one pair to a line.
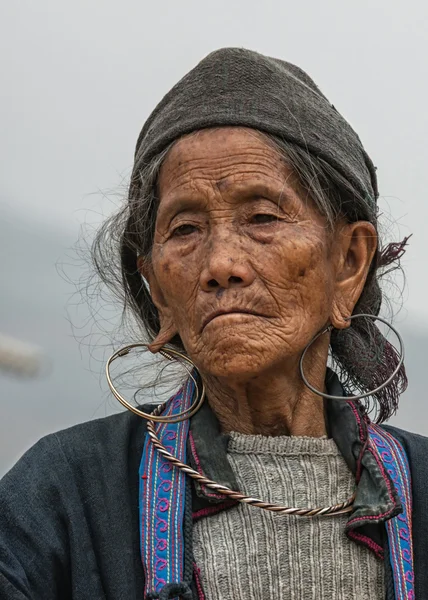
273,403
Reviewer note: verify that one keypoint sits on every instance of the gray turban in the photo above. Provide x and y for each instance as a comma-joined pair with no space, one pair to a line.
234,86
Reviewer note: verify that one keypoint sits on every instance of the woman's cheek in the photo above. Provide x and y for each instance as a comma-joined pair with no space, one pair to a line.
177,280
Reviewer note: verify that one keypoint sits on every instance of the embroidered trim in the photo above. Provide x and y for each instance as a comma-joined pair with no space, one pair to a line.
212,510
351,403
363,439
162,500
197,575
368,542
392,455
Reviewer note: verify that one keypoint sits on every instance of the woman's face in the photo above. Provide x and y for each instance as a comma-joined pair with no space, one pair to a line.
243,267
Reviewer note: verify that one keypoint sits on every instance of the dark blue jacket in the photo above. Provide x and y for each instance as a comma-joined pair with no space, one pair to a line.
69,508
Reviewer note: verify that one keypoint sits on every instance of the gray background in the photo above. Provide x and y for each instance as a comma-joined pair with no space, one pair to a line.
78,79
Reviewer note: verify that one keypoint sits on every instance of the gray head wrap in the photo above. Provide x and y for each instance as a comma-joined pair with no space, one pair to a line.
234,86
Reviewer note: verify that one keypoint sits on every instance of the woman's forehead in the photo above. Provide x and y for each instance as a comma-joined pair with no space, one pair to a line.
221,138
221,155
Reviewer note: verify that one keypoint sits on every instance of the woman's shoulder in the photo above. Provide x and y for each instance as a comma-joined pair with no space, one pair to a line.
114,433
415,446
92,448
67,492
407,437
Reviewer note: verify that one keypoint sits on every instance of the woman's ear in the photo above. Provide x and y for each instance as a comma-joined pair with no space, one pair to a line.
356,247
168,329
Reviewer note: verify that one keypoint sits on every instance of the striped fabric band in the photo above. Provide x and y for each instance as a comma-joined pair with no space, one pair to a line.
161,499
394,459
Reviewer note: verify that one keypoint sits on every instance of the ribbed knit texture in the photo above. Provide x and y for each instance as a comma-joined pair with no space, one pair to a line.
249,553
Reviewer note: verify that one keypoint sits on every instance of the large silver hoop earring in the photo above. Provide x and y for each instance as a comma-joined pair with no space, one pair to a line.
170,354
359,396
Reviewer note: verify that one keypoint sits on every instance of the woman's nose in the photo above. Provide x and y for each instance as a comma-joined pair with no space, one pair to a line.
226,268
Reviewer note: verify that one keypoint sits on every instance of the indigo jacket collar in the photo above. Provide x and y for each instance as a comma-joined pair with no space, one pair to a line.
376,499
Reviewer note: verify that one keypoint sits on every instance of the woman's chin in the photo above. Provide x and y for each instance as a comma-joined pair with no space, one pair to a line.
239,360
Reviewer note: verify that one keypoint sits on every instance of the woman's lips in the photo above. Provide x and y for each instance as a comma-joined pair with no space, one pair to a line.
233,311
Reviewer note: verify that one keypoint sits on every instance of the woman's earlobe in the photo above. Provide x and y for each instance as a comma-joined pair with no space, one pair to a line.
339,315
167,332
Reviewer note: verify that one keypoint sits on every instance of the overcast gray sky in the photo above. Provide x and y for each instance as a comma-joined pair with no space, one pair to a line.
78,79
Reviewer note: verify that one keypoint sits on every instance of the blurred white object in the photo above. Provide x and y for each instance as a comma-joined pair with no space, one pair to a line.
20,358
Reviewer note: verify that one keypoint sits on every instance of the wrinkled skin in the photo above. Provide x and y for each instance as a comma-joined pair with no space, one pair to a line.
236,233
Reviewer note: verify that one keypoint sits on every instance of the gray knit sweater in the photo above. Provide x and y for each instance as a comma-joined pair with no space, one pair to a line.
249,553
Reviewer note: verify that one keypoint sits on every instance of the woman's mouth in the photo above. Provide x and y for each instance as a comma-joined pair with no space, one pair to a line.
229,312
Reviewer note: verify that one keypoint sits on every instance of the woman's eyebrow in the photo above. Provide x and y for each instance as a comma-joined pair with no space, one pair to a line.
276,191
176,204
254,190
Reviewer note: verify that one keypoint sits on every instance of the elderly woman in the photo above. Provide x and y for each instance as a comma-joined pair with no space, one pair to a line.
248,250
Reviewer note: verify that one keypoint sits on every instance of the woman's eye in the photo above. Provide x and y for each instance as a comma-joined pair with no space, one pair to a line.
262,218
183,230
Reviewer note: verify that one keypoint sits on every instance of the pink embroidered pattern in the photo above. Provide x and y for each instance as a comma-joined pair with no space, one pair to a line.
162,501
399,528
